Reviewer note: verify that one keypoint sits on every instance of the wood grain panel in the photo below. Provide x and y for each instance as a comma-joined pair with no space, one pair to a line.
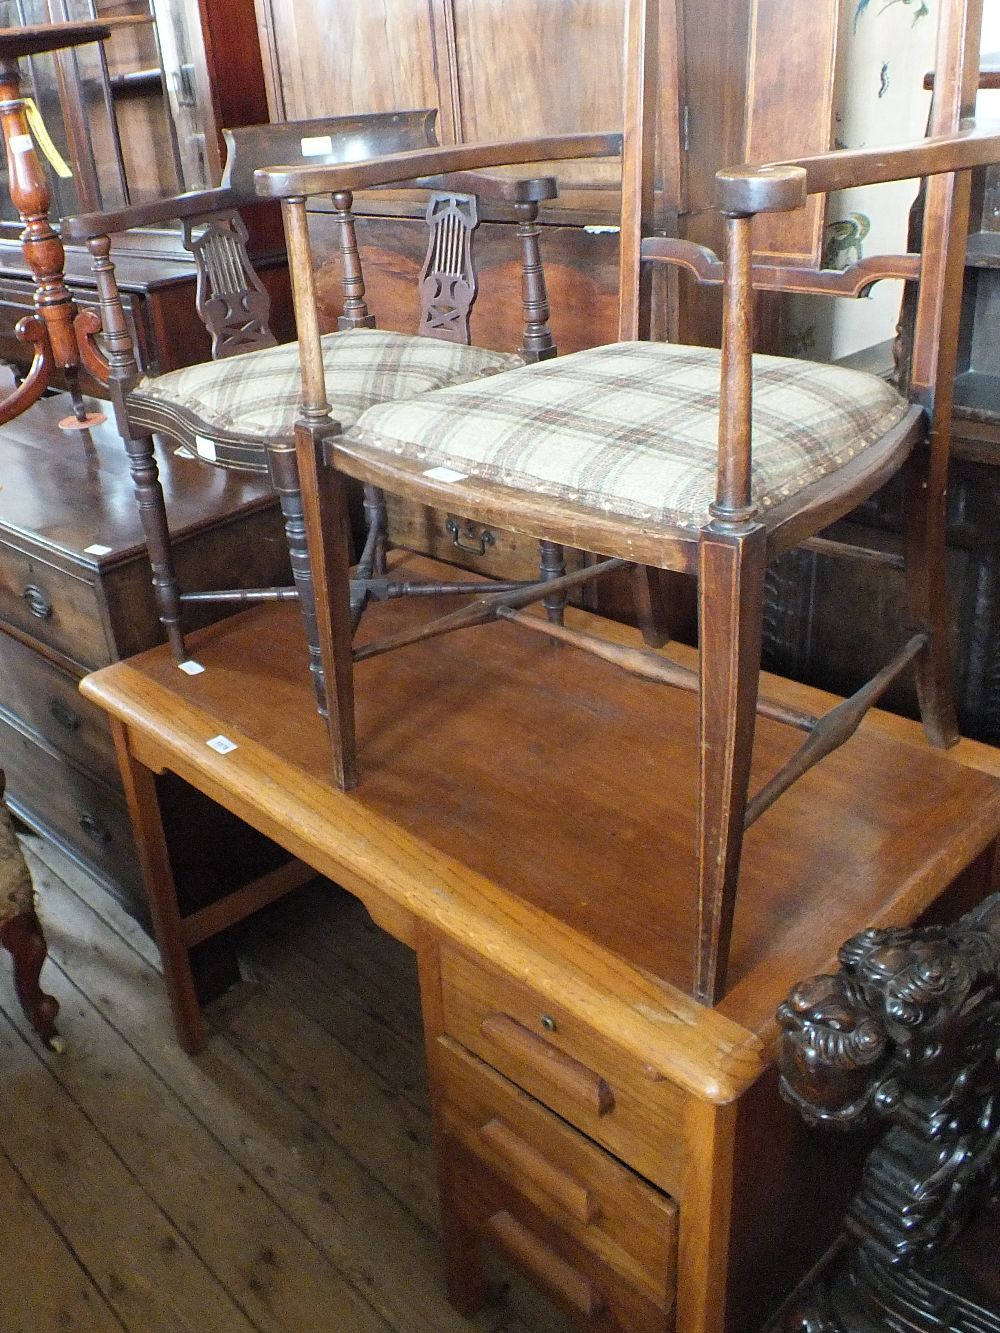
332,57
526,68
790,100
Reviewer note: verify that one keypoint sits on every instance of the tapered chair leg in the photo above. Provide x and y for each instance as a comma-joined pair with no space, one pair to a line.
284,474
153,517
328,531
925,519
731,590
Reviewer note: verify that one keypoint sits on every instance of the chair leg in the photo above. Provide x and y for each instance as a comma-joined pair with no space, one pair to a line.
153,517
284,474
375,514
927,595
328,532
552,561
22,936
649,590
730,612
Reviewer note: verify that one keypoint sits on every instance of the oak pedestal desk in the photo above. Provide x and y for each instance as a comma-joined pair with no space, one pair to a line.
524,822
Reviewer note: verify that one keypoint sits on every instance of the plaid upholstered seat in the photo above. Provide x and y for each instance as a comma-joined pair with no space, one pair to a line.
632,428
227,411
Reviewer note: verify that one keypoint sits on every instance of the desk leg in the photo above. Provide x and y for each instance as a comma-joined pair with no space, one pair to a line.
158,877
705,1206
464,1275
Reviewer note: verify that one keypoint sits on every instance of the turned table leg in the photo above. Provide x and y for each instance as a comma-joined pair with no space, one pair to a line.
22,936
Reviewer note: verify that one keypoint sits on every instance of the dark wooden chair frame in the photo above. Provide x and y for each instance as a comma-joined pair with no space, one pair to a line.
233,304
730,553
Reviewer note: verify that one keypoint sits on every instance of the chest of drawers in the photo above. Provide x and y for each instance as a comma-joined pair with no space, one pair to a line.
75,594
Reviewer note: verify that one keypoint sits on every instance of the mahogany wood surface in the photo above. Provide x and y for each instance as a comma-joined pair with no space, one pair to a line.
471,755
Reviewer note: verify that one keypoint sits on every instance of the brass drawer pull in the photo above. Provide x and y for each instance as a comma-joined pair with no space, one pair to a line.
38,604
550,1268
524,1158
64,715
476,539
573,1078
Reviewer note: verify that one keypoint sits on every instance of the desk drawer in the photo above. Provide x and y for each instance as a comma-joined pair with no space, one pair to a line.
52,606
80,815
599,1203
48,700
485,549
577,1279
586,1079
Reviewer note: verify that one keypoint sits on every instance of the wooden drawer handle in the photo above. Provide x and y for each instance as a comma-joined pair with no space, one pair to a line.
569,1193
549,1268
568,1074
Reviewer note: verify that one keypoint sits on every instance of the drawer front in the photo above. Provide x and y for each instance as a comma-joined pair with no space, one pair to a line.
562,1062
602,1205
571,1274
86,819
52,606
48,700
486,550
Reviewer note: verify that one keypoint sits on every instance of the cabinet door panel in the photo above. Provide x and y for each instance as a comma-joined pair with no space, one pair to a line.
525,69
333,57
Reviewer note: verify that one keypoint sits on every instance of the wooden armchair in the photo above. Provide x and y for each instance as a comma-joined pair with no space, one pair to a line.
682,458
238,410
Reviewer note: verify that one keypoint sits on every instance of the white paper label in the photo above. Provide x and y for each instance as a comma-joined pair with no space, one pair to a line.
222,745
320,145
190,668
97,549
21,143
204,448
445,474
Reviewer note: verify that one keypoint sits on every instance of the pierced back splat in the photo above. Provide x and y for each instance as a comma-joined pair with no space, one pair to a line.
448,283
230,298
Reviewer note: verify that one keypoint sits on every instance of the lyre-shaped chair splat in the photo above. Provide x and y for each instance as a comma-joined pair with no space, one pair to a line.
448,284
230,298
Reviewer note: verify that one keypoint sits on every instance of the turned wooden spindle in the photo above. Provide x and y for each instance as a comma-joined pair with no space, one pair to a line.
355,313
52,330
537,343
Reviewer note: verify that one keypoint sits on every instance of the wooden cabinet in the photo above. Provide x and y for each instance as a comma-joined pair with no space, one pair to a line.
75,594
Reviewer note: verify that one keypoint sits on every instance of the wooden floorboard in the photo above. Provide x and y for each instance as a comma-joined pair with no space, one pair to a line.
282,1181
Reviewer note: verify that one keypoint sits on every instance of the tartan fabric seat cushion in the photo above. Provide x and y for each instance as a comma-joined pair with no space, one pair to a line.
227,411
632,428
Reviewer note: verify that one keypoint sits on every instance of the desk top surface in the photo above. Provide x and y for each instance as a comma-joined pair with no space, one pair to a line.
537,806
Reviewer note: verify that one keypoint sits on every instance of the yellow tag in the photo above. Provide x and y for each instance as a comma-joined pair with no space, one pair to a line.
44,139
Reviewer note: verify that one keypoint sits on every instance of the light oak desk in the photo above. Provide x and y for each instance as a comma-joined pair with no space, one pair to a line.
524,821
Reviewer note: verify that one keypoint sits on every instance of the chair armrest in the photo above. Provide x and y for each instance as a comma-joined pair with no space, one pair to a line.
779,187
498,189
301,181
198,203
